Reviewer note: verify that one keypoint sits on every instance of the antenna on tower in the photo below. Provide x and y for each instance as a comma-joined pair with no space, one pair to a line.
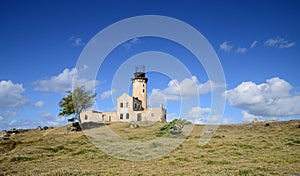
140,68
139,71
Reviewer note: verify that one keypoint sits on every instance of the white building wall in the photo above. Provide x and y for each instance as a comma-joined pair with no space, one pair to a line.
128,115
95,116
90,116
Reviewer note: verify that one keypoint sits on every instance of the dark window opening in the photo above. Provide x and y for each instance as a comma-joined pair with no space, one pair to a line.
127,116
139,117
121,116
85,117
121,105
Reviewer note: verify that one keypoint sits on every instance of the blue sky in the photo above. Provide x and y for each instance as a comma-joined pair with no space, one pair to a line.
257,43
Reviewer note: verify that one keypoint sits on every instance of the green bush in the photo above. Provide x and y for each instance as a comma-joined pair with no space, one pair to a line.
169,126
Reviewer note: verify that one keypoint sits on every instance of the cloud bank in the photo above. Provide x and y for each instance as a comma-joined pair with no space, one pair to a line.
187,88
11,94
63,82
270,99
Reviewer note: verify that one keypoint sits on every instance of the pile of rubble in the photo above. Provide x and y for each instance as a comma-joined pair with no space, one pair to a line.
43,128
5,135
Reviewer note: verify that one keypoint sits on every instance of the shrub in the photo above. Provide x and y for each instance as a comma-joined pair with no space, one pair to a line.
167,128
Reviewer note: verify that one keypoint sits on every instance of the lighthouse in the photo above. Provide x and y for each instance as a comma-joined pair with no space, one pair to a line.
130,108
139,85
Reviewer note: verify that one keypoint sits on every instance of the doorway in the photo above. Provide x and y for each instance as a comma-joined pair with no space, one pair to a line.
139,116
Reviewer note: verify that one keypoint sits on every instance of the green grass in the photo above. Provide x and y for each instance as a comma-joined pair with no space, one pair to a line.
21,158
245,172
217,162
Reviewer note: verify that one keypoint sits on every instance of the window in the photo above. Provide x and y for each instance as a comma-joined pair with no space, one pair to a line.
127,104
121,105
127,116
143,85
143,90
121,116
85,117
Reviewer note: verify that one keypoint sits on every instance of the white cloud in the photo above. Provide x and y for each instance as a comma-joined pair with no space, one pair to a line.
6,114
227,120
172,116
57,121
130,43
198,114
226,47
272,98
279,43
214,119
241,50
44,114
253,44
49,119
247,117
201,115
11,94
39,104
107,94
187,88
63,82
19,124
76,41
13,122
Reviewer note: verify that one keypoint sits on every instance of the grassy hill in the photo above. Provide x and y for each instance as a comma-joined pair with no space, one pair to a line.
248,149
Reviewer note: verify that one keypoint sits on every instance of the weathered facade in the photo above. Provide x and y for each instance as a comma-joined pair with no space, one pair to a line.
130,108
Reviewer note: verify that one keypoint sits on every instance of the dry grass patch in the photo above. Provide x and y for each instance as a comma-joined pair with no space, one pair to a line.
233,150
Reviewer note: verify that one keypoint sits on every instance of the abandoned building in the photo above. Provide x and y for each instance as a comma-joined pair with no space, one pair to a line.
130,108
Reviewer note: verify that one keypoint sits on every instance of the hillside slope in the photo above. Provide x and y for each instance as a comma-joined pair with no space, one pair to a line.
248,149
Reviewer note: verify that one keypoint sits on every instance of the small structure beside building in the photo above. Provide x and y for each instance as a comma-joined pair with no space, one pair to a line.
255,120
130,108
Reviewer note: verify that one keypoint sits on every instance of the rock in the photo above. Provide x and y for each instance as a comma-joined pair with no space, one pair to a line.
4,135
132,125
75,127
176,130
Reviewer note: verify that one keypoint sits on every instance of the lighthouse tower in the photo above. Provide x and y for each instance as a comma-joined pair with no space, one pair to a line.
139,85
